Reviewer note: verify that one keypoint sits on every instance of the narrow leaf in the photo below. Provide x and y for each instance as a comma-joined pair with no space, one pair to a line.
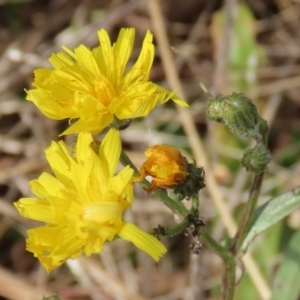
286,282
270,213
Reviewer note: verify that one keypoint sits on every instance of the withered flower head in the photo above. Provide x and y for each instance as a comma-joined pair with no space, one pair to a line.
166,165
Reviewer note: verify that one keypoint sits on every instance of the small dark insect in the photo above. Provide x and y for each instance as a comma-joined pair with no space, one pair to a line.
125,125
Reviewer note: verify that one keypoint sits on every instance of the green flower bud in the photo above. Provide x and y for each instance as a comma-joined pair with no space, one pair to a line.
237,112
240,115
256,160
214,109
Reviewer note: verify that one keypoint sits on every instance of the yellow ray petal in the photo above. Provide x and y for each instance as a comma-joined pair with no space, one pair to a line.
143,240
52,245
35,209
59,60
141,69
105,55
120,182
86,61
93,125
46,185
110,150
122,51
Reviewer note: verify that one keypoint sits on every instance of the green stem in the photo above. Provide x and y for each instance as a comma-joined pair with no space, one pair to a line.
175,230
230,266
221,251
229,262
247,214
195,203
228,286
125,160
252,199
176,206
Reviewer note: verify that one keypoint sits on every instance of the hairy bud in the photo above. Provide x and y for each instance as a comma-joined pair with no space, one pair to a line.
237,112
215,109
256,160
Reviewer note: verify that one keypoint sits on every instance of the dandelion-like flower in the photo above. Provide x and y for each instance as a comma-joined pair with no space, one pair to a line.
94,86
83,204
167,166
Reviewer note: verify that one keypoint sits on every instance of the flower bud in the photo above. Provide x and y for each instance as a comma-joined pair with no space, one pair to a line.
237,112
240,115
214,109
256,160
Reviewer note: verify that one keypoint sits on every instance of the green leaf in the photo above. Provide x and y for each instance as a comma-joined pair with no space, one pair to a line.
270,213
286,282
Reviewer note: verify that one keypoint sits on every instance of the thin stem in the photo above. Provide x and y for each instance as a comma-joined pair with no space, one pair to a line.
228,259
172,231
176,206
247,214
125,160
195,204
221,251
229,280
252,200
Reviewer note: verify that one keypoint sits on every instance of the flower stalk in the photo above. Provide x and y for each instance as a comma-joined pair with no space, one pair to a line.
240,115
247,214
253,196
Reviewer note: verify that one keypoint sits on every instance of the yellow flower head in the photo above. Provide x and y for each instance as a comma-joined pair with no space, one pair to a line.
94,85
166,165
83,204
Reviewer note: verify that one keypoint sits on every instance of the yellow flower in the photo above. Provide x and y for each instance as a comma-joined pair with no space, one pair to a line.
83,204
166,165
95,85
